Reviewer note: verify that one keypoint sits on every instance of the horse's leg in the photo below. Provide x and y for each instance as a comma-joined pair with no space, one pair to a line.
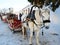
31,25
31,35
23,31
37,37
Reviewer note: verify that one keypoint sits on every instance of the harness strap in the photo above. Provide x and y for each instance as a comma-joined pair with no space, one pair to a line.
31,11
45,21
34,22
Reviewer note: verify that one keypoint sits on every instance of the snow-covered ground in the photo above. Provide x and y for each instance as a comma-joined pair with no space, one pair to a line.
9,38
50,37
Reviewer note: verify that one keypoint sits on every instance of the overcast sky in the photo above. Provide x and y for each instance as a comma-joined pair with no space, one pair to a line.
16,4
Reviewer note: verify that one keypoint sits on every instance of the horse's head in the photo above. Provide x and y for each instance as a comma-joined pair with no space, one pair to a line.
46,19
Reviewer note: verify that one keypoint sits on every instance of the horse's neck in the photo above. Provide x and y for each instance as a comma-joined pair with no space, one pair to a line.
37,16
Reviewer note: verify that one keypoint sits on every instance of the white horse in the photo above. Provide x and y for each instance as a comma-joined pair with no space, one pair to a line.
42,16
38,23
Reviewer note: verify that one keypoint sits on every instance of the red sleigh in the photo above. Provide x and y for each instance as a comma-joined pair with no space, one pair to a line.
15,24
